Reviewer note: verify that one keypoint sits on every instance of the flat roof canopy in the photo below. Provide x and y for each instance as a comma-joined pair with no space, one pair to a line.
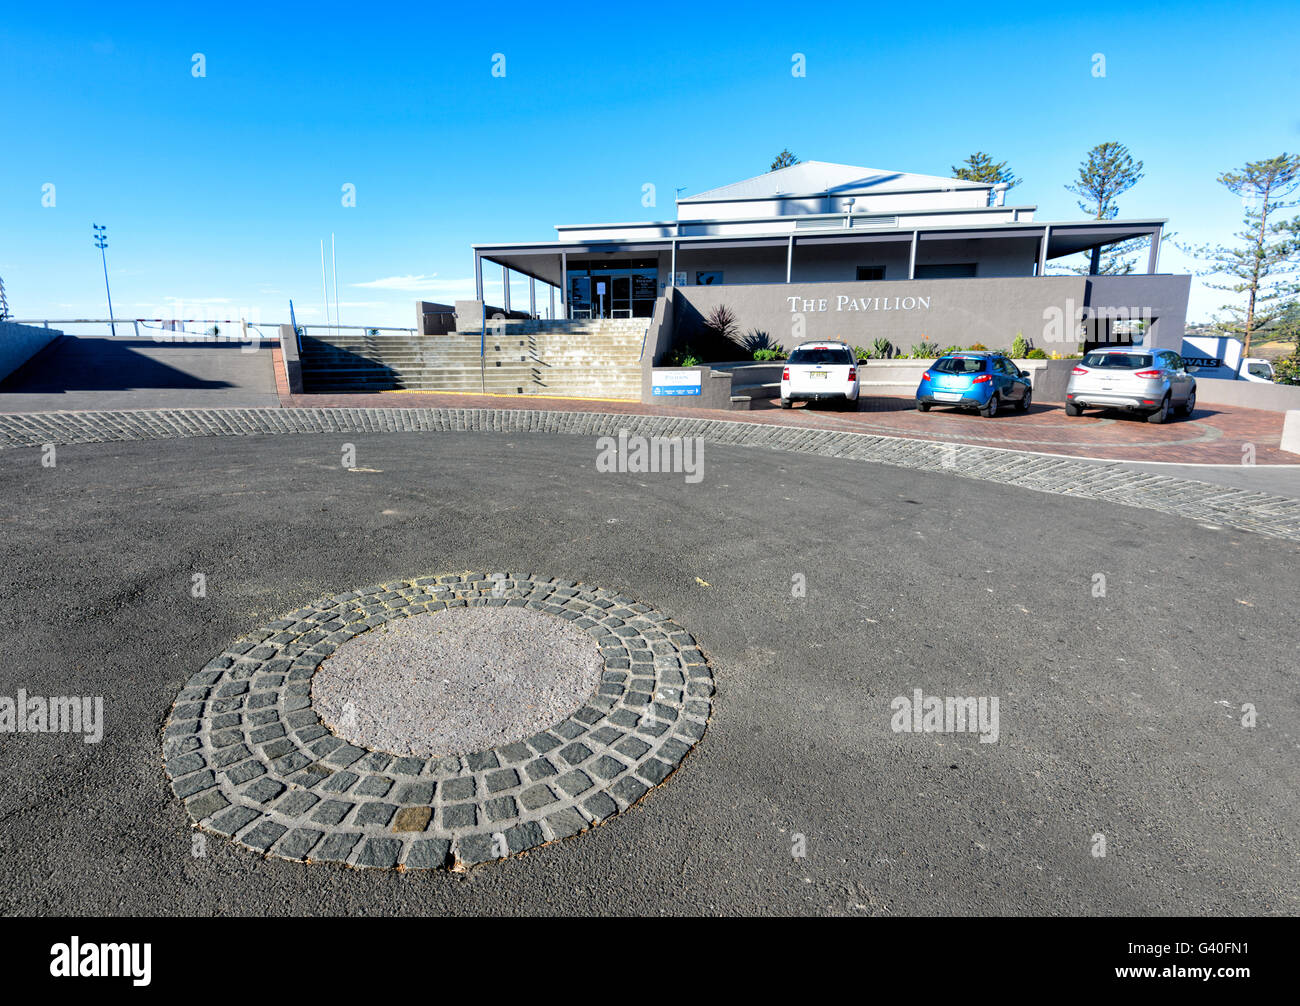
541,260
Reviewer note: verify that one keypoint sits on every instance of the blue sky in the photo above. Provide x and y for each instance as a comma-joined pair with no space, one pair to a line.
218,190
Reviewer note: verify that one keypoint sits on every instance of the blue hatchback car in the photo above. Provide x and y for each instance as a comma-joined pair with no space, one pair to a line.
969,380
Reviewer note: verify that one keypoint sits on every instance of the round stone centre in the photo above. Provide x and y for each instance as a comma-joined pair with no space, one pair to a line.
456,681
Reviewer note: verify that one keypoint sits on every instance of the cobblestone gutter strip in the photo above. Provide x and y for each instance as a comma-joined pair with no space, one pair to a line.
251,759
1276,516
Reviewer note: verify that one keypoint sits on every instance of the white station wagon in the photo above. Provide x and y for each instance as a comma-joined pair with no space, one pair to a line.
820,372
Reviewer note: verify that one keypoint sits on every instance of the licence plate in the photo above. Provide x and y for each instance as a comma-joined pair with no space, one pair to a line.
818,373
947,396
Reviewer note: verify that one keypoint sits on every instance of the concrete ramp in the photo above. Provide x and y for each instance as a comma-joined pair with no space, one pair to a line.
102,372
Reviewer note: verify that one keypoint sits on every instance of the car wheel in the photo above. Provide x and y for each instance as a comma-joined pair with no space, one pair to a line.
922,406
1024,403
990,410
1073,410
785,403
1189,406
1161,414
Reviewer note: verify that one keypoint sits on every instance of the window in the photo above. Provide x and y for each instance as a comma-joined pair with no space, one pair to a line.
1117,361
826,355
946,270
871,273
708,279
959,365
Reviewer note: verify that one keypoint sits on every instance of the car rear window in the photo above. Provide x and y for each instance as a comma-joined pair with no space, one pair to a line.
959,365
826,355
1117,361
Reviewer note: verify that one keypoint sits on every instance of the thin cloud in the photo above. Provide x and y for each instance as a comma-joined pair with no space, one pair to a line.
407,284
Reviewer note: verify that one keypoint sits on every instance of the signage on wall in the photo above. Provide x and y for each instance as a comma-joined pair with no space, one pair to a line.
844,302
676,382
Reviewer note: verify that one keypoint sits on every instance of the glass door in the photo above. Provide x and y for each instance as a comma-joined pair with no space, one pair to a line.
620,304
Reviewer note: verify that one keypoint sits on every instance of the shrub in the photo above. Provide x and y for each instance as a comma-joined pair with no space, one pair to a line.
757,340
722,323
978,347
682,356
1035,354
923,351
1287,370
767,355
1019,346
882,349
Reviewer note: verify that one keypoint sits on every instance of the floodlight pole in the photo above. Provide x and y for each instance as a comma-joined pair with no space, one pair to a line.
101,242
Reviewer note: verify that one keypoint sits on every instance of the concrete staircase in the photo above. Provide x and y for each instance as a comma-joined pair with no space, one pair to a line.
582,359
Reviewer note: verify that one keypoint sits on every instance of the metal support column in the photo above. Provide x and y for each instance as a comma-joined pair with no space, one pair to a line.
789,258
551,314
564,285
505,283
1154,257
1042,251
911,260
478,277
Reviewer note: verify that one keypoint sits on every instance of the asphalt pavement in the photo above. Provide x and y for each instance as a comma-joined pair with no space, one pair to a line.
1120,711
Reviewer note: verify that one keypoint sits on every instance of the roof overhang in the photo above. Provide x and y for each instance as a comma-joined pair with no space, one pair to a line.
1067,237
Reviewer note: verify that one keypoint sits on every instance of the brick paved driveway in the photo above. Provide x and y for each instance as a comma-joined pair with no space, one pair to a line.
1213,436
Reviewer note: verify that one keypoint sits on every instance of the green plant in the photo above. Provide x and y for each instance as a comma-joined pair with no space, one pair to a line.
1019,346
1035,354
768,355
978,347
1287,370
882,349
723,323
923,351
683,356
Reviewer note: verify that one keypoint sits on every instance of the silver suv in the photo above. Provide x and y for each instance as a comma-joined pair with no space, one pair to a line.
1154,381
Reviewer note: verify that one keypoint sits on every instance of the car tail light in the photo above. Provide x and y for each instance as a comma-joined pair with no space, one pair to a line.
982,378
785,374
1078,370
853,373
925,376
1149,375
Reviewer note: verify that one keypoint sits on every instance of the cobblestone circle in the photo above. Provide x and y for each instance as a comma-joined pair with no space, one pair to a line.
251,759
1262,513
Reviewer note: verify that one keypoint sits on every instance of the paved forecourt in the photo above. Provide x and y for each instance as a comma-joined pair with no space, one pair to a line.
1218,505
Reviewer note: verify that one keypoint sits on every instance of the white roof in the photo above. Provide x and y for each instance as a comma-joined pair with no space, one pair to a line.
809,177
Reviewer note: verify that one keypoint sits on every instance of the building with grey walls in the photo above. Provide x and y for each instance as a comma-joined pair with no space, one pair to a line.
858,253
